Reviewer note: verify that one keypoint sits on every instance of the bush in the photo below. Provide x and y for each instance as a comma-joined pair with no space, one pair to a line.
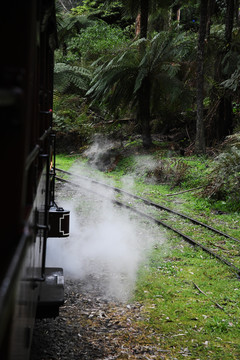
171,171
95,41
224,178
72,116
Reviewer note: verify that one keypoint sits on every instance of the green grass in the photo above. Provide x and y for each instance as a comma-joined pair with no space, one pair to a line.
207,325
64,162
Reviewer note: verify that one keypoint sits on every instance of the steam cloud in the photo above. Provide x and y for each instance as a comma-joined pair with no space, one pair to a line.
106,244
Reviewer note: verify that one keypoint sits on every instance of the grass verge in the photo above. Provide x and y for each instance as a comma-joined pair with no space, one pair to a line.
191,302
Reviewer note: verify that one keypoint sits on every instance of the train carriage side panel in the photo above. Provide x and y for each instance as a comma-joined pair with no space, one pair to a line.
25,97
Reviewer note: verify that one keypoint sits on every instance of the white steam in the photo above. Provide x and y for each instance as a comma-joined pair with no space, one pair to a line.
106,243
109,248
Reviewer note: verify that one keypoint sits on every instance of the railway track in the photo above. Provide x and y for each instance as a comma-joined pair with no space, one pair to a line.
222,246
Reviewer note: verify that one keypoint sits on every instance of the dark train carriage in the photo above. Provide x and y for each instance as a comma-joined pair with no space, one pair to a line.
28,39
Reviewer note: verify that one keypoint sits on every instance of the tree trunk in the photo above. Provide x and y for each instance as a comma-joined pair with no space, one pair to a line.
237,12
144,93
176,13
222,123
211,6
144,112
144,11
137,26
225,109
229,22
200,138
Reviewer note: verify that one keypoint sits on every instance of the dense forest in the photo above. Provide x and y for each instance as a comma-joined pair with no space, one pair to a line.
148,67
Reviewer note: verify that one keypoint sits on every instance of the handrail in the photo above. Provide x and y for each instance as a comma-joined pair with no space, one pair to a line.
35,152
31,157
45,134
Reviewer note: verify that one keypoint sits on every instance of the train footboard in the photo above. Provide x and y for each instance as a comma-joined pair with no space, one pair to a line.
51,295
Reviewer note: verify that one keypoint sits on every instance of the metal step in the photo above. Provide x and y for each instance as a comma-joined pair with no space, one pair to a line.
51,293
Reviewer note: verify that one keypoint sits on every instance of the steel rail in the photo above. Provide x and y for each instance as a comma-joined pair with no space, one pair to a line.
148,202
160,223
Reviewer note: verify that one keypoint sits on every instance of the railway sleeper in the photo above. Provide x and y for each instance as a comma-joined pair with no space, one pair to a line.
51,294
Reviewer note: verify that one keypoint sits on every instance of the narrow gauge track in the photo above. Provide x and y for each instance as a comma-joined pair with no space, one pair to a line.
159,222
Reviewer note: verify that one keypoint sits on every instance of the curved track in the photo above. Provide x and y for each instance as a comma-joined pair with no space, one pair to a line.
157,221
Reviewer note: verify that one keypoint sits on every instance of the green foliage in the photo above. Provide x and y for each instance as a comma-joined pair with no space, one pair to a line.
65,162
116,82
71,116
169,59
71,79
133,6
190,15
95,41
97,8
233,82
87,7
224,179
68,26
231,64
171,171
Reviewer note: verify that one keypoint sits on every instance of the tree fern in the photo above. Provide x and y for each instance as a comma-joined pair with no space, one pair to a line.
116,81
69,78
116,76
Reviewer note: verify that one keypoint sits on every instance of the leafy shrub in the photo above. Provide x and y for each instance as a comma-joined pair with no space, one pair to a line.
224,178
171,171
95,8
72,115
95,41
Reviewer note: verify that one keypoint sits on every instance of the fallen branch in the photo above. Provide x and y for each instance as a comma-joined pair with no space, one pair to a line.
184,191
218,246
202,292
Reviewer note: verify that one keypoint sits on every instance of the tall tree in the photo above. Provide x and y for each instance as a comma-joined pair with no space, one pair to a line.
222,123
229,22
211,6
200,147
143,95
143,114
237,12
226,115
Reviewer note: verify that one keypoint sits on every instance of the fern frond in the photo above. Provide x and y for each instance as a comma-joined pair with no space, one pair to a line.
140,76
138,42
66,75
233,82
